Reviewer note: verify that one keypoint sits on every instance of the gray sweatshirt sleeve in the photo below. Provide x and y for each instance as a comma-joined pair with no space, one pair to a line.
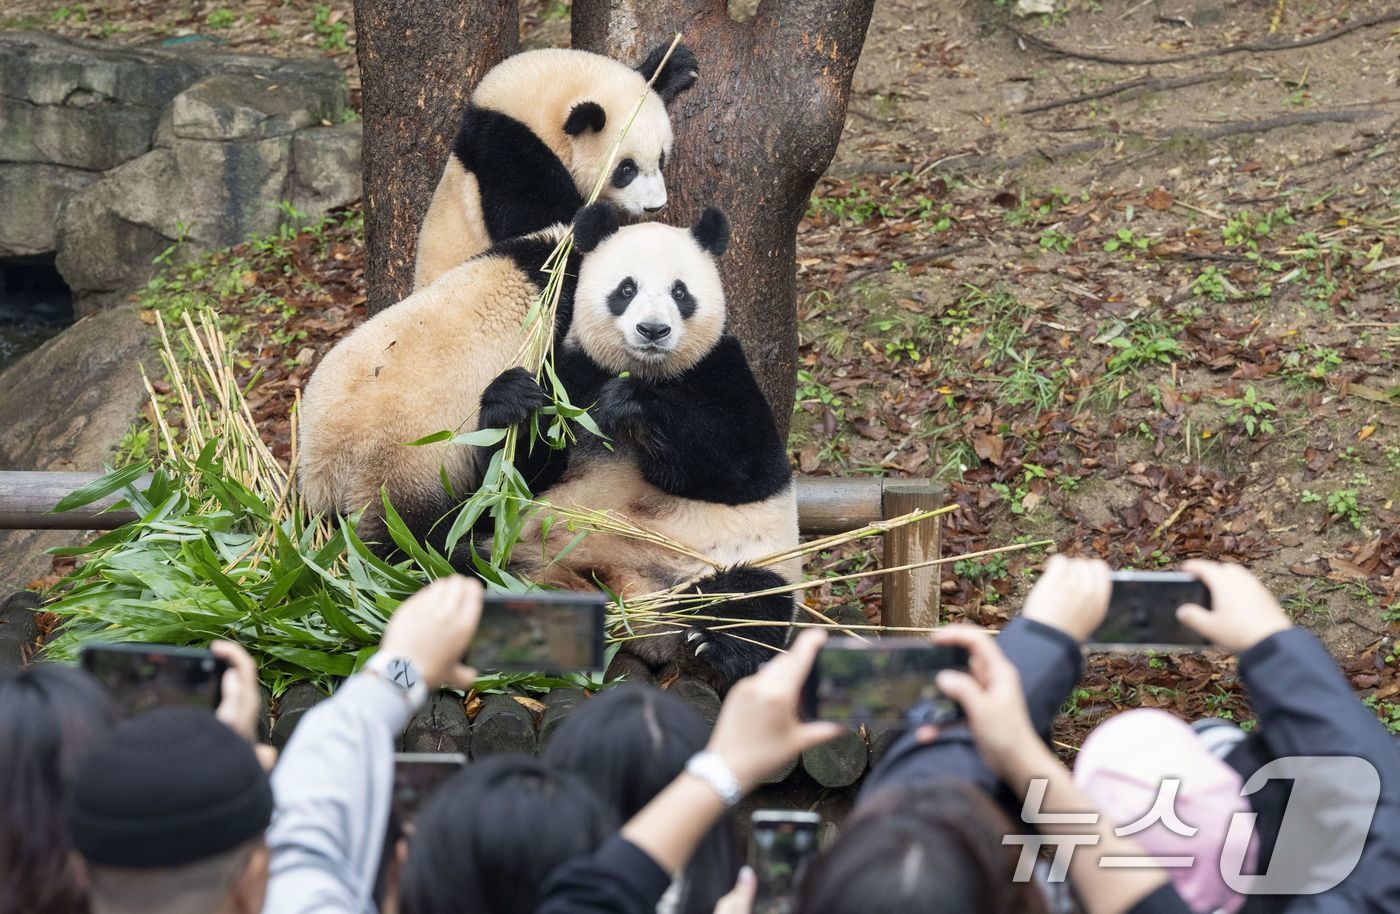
332,786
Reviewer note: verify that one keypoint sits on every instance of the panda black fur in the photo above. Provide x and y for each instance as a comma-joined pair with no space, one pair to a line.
695,453
532,140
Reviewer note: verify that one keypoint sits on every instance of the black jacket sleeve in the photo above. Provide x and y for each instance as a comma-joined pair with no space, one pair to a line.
1049,662
618,878
1307,708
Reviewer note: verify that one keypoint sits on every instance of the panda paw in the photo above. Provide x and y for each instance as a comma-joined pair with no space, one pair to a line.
719,658
510,399
723,657
618,411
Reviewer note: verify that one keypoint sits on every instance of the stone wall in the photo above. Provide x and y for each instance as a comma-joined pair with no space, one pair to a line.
110,154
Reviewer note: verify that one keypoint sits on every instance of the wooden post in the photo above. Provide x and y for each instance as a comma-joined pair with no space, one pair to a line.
911,597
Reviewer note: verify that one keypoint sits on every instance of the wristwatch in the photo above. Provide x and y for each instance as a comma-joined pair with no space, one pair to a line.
402,672
715,771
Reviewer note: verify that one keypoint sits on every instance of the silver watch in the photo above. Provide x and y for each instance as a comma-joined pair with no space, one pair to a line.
402,672
715,771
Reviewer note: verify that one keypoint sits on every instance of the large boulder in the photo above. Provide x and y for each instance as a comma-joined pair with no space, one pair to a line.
63,407
111,155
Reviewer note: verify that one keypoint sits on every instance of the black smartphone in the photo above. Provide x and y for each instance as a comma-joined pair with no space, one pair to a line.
417,776
544,632
782,844
886,681
141,677
1142,608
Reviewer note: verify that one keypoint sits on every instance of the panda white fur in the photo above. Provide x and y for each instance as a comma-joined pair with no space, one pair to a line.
533,139
695,452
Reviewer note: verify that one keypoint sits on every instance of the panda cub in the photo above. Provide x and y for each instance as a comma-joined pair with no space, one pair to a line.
695,454
533,139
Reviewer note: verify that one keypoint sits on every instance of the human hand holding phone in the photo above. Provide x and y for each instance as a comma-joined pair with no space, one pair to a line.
991,698
1071,596
240,701
1242,612
433,628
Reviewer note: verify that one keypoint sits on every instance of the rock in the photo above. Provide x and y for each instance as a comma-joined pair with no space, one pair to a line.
109,154
293,705
326,170
232,107
18,627
62,407
33,193
442,726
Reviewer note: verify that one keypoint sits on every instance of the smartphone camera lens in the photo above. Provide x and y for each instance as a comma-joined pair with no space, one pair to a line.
207,665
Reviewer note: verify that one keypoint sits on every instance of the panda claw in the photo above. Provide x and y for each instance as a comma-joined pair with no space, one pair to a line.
701,649
694,636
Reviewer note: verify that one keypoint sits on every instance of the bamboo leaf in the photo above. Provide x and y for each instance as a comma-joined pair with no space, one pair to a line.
101,487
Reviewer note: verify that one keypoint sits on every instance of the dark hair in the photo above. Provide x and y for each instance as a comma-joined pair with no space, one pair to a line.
937,849
630,742
50,716
491,836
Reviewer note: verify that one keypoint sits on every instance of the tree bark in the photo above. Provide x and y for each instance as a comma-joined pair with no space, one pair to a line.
752,137
419,62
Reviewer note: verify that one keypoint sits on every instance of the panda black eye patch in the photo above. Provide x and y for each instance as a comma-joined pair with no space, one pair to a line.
685,302
624,173
621,297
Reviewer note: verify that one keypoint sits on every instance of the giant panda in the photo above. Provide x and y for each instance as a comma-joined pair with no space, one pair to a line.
694,451
533,139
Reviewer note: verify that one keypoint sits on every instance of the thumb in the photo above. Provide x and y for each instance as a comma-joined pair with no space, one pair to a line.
960,687
461,677
1199,619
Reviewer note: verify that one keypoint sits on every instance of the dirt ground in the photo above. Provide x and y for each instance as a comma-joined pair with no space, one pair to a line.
1148,312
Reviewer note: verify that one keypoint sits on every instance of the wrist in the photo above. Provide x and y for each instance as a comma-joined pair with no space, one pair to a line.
719,774
403,672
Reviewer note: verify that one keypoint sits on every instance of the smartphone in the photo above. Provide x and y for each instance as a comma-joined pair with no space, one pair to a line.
782,844
544,632
141,677
417,776
1142,608
886,681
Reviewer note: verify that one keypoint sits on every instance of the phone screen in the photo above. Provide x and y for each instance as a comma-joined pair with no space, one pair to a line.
781,847
141,677
886,681
541,632
417,776
1142,608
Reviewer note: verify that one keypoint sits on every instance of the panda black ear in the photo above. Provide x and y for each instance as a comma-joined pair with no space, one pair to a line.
585,116
593,225
679,74
711,231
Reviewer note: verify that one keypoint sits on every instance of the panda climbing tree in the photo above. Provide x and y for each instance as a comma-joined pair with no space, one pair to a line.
751,142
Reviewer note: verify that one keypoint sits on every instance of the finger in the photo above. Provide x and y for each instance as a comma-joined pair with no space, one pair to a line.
815,733
267,756
988,663
926,734
740,898
1209,573
1197,618
461,677
792,667
473,593
960,687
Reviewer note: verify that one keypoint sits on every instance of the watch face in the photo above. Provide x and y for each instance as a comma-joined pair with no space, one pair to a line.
400,672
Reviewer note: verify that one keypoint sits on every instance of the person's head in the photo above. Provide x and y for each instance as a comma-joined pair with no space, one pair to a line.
169,814
491,835
937,849
49,717
1125,766
630,742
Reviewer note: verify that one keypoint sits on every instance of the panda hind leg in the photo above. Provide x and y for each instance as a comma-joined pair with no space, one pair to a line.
722,656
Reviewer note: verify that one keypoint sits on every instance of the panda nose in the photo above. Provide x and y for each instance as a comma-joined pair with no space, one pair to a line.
654,332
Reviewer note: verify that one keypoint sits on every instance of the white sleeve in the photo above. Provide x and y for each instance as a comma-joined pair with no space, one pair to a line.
332,787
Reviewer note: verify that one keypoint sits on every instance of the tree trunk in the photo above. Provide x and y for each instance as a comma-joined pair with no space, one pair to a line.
419,62
752,137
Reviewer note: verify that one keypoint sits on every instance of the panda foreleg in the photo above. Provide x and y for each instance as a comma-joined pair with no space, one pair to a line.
721,655
510,399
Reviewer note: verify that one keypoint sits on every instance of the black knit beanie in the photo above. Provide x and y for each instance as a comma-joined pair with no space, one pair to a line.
171,787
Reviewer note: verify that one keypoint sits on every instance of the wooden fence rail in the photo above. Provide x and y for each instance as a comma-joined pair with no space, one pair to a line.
824,505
